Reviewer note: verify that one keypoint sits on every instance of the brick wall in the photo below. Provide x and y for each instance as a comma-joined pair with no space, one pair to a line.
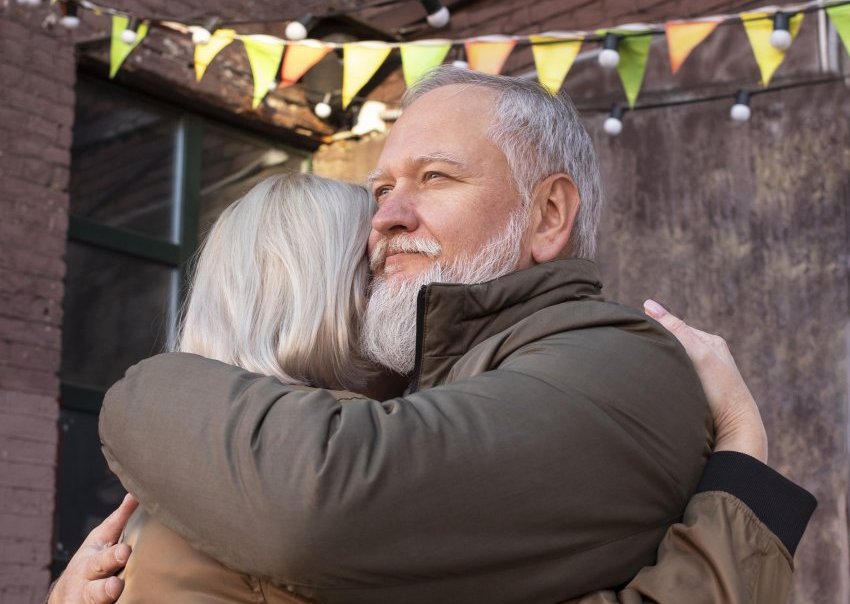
37,72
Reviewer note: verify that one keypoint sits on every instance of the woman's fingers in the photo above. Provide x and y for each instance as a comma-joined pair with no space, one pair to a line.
737,422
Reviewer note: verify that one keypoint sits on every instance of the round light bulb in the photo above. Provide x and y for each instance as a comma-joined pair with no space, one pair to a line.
613,126
440,18
201,35
609,58
323,110
740,112
780,39
460,64
295,30
128,36
69,21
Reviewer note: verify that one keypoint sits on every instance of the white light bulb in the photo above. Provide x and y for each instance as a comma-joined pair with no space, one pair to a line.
128,36
200,35
780,39
440,18
740,112
612,126
69,21
460,64
323,110
295,30
609,58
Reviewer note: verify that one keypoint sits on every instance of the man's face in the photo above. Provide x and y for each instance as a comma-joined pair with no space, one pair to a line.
440,179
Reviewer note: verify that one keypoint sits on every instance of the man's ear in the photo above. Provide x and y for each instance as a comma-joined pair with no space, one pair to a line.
555,205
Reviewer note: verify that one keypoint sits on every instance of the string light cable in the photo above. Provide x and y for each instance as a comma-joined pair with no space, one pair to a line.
777,14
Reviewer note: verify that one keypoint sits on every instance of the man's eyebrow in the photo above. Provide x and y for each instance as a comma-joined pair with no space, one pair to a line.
421,160
441,157
373,176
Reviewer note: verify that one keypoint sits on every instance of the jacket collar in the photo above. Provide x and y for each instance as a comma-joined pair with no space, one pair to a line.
451,319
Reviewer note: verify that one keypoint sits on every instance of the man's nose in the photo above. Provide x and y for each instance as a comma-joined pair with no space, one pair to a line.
395,214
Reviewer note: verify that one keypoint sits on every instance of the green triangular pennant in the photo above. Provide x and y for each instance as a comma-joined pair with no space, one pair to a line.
119,50
264,54
634,52
840,17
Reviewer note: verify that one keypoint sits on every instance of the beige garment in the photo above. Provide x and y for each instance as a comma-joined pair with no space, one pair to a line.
164,568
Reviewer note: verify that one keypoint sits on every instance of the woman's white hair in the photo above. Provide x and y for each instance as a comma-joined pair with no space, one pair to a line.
540,134
279,285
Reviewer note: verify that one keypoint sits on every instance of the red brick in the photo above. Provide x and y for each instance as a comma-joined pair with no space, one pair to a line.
29,262
13,282
36,429
14,233
27,355
30,306
22,552
28,380
26,501
26,527
31,405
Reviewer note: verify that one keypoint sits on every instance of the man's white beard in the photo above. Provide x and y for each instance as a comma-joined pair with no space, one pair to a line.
388,335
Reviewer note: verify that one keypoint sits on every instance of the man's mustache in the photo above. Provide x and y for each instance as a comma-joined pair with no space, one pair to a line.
403,243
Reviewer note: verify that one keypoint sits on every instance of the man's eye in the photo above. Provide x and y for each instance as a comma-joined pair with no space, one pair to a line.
381,191
432,175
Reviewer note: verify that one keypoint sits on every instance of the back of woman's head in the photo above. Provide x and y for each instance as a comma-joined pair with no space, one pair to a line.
279,285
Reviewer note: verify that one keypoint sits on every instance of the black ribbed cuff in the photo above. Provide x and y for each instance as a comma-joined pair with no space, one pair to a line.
781,505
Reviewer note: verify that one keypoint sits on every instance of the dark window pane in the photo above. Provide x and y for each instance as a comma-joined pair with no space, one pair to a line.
122,162
87,490
231,165
116,312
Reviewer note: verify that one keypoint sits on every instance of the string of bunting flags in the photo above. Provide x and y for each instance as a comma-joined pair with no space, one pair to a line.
281,62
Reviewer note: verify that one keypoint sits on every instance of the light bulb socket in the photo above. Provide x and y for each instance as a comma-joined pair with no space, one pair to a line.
781,21
460,58
211,24
741,111
611,41
432,6
617,112
438,15
69,18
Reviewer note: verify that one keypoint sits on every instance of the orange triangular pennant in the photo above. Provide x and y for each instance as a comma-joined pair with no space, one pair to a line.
299,58
489,53
684,36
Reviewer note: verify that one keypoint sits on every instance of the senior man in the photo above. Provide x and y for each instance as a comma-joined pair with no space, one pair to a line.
547,441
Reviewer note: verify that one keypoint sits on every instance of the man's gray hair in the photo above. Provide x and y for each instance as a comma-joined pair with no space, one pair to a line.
540,134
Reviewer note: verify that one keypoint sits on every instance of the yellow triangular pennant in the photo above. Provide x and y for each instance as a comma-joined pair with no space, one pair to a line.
553,58
684,36
418,58
489,53
119,50
360,61
205,53
264,54
759,26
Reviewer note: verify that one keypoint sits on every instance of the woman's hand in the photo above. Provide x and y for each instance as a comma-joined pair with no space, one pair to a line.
737,422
